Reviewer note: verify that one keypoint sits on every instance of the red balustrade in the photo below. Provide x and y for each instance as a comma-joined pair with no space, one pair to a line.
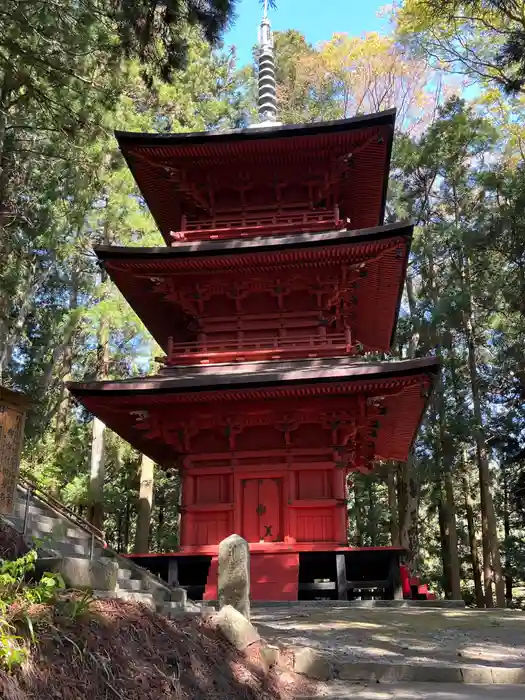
265,348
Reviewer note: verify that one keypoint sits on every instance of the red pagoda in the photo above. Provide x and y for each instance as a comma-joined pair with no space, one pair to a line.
278,275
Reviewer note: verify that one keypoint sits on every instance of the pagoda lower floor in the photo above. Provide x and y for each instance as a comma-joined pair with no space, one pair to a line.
265,450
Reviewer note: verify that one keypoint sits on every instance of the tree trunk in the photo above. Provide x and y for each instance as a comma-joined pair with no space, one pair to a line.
392,506
445,548
160,527
97,475
408,511
119,532
474,553
373,524
96,479
489,526
127,523
144,506
491,554
412,304
448,505
506,524
413,530
64,402
452,537
358,515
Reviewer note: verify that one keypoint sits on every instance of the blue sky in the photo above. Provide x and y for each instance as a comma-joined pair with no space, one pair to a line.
316,20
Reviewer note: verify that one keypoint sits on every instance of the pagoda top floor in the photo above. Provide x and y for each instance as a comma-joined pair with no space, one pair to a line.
352,412
278,297
264,181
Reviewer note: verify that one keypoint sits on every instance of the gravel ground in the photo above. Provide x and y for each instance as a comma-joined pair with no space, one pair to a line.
418,636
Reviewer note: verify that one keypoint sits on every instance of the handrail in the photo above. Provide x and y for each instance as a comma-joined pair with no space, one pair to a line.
63,510
211,350
262,343
261,226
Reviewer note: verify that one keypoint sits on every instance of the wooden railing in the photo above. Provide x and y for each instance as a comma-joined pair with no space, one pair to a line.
61,509
249,225
271,347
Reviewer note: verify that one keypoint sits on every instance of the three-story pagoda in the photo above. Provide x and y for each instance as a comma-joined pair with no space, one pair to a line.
278,275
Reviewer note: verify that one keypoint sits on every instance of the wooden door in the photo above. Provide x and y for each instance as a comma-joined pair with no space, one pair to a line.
262,510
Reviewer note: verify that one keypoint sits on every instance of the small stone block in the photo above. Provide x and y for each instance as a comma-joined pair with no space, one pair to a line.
435,674
270,655
476,674
310,663
207,611
362,671
509,676
179,595
236,628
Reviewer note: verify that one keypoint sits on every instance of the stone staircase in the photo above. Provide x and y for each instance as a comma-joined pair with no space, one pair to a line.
57,532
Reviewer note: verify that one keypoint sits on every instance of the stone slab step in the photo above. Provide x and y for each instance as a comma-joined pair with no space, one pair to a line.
130,596
174,609
124,574
320,666
132,584
414,691
48,524
304,605
34,511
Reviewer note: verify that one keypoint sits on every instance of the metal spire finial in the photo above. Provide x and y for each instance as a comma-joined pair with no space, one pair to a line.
267,101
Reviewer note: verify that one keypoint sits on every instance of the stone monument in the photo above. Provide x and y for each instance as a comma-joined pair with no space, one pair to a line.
13,409
234,574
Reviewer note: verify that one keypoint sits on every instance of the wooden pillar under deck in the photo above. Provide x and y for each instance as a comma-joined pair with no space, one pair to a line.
173,572
340,564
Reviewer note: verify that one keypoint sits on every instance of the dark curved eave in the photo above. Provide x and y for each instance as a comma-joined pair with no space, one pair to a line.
116,402
282,131
164,199
243,376
122,264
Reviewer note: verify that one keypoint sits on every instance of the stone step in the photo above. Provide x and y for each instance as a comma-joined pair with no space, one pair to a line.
414,691
175,609
124,574
132,584
129,596
47,521
36,511
317,664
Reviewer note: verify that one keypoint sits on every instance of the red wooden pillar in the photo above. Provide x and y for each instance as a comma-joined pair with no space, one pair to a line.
291,532
238,505
186,520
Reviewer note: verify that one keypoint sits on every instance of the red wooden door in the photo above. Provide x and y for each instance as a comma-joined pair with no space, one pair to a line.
250,503
262,510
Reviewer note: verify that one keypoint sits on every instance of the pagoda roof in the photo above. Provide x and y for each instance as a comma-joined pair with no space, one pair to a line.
384,250
403,388
195,174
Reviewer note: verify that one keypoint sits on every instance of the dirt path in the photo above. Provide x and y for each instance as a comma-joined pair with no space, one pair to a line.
417,636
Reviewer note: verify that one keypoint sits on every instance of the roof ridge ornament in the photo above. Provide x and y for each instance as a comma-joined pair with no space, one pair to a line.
267,97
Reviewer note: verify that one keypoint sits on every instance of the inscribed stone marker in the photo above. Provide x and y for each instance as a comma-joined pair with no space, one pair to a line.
234,574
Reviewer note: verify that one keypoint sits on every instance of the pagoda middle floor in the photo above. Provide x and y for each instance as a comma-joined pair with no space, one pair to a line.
264,450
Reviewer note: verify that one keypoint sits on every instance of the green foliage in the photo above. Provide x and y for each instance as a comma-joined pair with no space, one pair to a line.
16,596
482,38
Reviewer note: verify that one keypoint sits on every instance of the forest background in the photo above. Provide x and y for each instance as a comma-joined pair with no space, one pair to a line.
71,73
